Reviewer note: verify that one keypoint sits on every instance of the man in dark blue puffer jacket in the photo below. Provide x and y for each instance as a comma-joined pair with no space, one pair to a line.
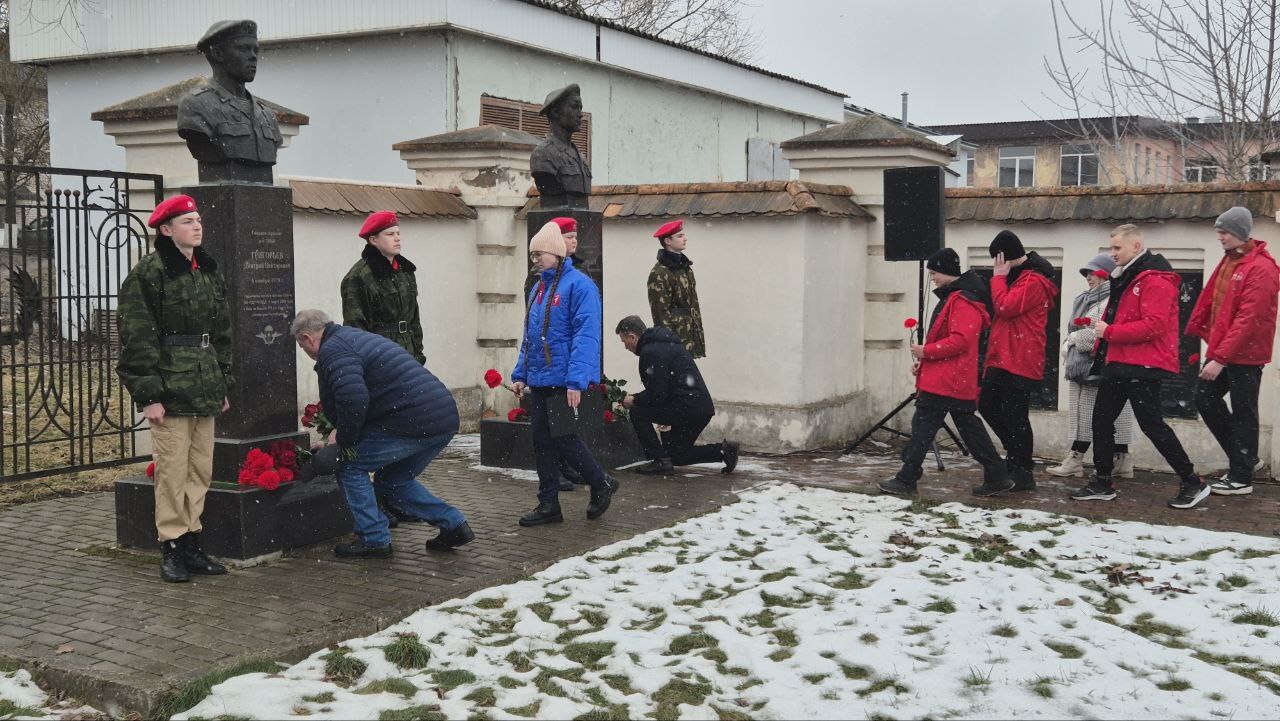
392,418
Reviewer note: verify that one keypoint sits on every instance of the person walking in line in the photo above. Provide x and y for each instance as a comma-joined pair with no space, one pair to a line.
1082,383
391,418
559,358
946,370
675,396
1137,349
1236,316
380,292
673,290
175,360
1022,293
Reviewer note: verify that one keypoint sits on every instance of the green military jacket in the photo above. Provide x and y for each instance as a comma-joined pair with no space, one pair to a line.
381,299
164,297
673,300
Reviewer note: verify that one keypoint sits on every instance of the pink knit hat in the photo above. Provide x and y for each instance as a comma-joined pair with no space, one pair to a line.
548,239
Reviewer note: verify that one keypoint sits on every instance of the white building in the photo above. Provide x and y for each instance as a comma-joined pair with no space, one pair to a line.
372,74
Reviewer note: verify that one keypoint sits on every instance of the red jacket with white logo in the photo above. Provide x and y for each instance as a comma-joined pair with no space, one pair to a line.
950,364
1019,331
1143,328
1246,321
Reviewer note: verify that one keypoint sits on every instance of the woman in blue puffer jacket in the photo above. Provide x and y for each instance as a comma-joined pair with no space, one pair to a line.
559,357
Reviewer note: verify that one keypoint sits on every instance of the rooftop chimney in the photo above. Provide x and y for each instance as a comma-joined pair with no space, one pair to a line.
904,110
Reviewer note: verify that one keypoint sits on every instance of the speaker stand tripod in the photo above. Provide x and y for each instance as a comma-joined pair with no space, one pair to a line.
881,425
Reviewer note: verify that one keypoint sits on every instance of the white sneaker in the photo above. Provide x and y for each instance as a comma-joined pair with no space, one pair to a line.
1231,488
1071,467
1122,464
1256,467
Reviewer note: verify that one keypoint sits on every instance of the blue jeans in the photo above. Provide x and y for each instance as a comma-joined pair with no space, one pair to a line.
395,464
548,451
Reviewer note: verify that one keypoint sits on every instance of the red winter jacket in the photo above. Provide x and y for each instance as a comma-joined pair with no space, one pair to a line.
1019,331
950,364
1246,320
1143,329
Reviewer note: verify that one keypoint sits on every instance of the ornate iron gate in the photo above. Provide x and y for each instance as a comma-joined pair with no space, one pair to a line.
70,238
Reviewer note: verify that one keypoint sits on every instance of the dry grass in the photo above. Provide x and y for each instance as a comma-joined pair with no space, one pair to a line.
13,493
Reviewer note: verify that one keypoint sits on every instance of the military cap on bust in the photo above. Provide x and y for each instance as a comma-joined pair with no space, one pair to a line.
555,96
224,29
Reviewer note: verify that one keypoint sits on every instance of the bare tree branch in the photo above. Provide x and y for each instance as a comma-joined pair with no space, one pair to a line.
716,26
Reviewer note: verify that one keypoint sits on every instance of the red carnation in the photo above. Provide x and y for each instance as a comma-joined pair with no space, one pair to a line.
286,475
269,480
259,461
246,477
516,415
604,389
910,323
608,416
492,378
1194,359
151,469
1082,321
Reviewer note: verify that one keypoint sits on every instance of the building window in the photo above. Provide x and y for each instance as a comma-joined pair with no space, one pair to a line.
969,163
1200,171
1017,167
524,116
1079,165
1259,170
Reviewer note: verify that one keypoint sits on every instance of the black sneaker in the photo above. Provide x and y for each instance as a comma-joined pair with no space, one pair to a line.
730,451
1190,493
991,488
544,513
358,549
1098,489
600,499
657,467
449,540
898,487
173,569
1231,488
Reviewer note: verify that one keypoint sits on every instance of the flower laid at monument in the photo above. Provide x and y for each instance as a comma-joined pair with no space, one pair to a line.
268,469
517,415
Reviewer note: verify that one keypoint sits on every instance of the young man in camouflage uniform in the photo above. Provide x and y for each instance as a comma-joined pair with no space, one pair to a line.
380,292
175,360
673,292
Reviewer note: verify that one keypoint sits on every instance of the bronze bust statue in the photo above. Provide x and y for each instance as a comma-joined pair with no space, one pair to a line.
232,135
559,170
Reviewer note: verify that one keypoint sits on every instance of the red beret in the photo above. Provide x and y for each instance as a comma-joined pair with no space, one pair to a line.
671,228
567,225
378,222
172,207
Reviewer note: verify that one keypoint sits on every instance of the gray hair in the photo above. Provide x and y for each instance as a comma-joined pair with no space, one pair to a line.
309,320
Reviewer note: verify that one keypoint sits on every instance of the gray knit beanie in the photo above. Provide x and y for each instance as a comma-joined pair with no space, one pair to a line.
1237,221
1101,261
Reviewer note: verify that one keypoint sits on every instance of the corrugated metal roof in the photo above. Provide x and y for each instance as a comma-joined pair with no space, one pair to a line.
1111,204
351,198
751,198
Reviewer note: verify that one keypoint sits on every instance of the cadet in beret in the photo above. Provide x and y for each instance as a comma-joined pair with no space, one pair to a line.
175,360
673,291
221,122
380,292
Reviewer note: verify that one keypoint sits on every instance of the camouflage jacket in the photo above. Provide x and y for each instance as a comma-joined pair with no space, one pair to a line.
381,299
673,300
163,296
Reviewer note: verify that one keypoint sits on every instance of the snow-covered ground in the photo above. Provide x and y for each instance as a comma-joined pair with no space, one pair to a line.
808,603
21,698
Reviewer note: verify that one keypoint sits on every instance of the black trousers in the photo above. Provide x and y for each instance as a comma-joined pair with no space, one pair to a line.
1144,394
925,424
678,444
1008,411
548,451
1237,429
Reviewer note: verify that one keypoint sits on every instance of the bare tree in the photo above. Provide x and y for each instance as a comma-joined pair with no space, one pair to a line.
716,26
1178,59
24,132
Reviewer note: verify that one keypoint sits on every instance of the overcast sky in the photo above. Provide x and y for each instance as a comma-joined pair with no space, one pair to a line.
963,61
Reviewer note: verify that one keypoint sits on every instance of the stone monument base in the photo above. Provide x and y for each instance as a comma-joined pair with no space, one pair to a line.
242,522
504,444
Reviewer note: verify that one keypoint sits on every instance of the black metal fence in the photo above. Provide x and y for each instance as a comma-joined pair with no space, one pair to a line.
70,238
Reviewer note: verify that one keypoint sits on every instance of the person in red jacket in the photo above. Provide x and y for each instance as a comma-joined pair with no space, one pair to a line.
946,370
1236,316
1022,292
1137,349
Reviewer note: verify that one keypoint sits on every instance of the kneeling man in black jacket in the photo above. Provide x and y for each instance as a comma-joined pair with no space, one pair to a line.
674,396
392,417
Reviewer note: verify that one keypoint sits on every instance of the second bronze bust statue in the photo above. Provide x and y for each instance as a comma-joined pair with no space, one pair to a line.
559,170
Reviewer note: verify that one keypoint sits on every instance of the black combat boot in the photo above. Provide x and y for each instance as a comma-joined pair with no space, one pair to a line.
544,513
657,467
195,558
730,451
601,497
172,566
449,540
